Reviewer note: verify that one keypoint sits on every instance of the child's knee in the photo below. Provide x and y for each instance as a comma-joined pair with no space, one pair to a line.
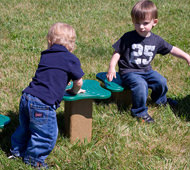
162,82
140,86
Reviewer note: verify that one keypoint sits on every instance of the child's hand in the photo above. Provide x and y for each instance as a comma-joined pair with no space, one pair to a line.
111,74
72,92
111,71
81,91
69,84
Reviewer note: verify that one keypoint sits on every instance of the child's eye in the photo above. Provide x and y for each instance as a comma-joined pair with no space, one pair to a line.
146,23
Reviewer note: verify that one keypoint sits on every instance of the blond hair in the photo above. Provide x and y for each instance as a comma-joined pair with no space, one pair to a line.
62,34
144,9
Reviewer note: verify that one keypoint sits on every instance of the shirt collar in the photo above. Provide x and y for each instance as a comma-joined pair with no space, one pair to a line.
56,48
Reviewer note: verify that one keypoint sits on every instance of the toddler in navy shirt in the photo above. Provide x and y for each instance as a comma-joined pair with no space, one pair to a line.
37,133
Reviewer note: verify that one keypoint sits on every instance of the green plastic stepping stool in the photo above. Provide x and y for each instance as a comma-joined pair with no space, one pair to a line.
4,120
78,110
93,91
120,95
114,86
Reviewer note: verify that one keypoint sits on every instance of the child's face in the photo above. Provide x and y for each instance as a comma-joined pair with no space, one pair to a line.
144,27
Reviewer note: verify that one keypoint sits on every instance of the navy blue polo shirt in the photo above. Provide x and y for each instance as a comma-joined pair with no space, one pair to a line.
56,68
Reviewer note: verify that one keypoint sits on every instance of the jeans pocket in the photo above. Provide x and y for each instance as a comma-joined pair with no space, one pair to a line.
39,113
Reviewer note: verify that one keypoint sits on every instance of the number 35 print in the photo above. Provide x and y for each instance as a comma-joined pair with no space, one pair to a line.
138,51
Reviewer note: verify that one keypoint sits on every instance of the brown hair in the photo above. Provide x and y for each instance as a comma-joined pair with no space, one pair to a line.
144,9
63,34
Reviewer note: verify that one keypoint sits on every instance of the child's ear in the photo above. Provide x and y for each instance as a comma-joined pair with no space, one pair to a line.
155,22
49,43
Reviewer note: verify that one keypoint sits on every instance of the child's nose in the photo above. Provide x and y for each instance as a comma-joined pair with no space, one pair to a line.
141,26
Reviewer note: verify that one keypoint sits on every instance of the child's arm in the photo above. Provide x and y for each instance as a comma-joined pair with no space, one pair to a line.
181,54
77,84
111,71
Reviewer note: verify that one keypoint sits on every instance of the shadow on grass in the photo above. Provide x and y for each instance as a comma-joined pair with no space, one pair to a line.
8,130
183,110
121,106
61,123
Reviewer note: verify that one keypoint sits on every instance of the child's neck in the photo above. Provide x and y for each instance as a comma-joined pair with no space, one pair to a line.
144,35
148,34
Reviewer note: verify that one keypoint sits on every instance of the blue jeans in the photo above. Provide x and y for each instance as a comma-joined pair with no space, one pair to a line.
37,133
139,83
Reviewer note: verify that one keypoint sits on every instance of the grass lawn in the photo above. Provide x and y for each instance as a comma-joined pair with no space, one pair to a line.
119,142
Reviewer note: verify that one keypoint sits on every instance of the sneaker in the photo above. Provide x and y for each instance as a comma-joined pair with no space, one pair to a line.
173,103
12,157
147,119
41,166
34,164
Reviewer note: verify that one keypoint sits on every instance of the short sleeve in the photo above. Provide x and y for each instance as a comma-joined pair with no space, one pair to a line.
76,71
119,46
164,47
116,46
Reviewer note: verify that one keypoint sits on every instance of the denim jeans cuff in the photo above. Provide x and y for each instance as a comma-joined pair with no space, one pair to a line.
140,114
